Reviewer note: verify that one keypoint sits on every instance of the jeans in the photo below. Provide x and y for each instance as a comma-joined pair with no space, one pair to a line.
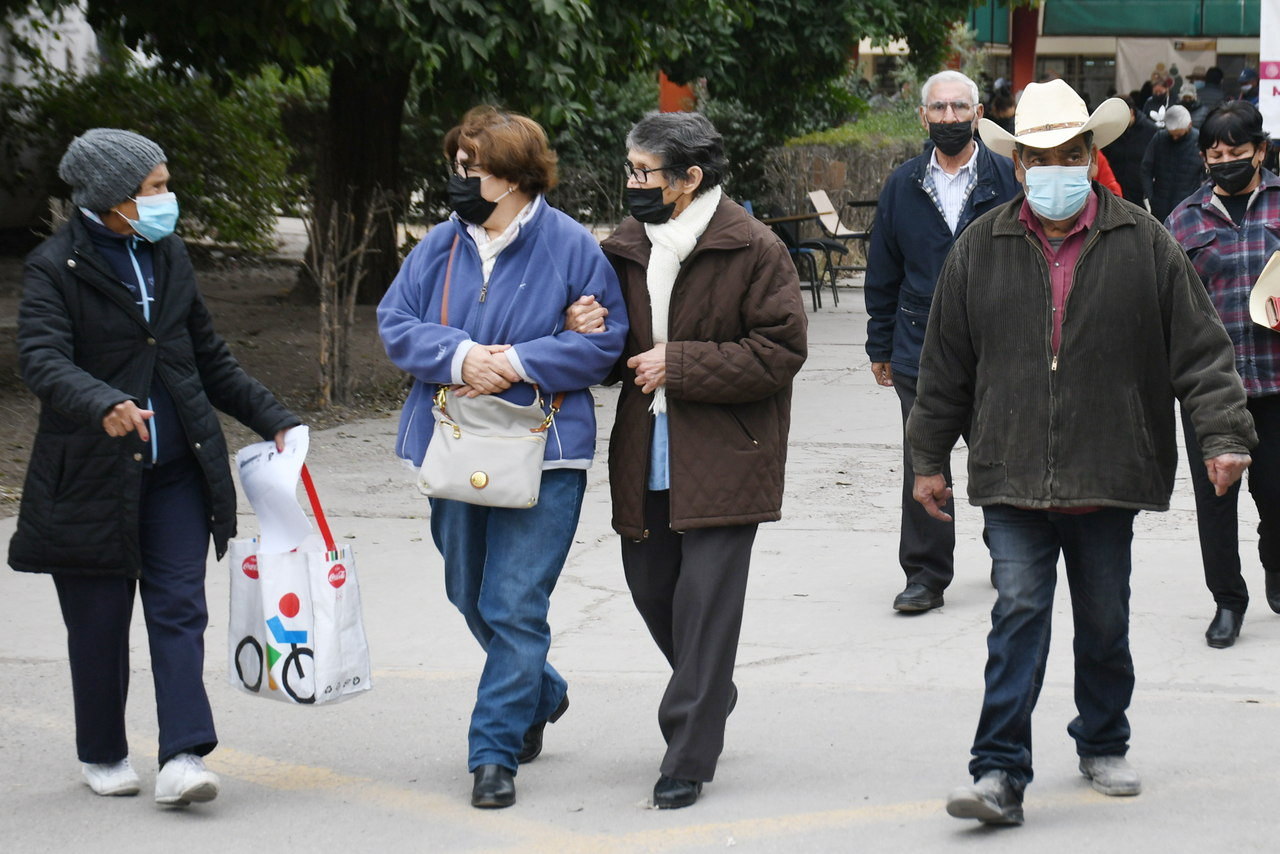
1216,514
1024,550
174,539
500,566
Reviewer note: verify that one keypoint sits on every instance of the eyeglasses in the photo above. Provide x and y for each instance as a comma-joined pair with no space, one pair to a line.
465,170
962,109
641,175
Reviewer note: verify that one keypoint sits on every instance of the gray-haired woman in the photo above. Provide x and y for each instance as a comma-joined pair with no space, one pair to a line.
699,445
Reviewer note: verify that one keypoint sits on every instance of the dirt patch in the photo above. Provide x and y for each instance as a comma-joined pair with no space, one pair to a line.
274,339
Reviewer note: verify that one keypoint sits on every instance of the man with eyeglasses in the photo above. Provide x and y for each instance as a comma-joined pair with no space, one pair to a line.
926,203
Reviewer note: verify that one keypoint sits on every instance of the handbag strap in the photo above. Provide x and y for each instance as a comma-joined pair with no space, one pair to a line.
556,403
448,274
315,508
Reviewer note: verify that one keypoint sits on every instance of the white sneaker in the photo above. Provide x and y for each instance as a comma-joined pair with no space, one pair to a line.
184,780
115,778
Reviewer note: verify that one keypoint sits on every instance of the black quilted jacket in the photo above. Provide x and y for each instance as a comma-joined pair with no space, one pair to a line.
1171,171
84,347
737,333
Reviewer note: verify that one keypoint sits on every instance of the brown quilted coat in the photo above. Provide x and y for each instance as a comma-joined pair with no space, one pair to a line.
737,335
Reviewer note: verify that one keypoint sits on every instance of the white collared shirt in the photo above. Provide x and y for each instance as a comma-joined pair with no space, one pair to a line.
952,191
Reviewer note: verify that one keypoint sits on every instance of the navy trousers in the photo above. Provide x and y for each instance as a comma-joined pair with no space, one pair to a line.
174,537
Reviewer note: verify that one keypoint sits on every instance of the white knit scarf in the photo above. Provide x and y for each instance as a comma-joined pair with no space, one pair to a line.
672,241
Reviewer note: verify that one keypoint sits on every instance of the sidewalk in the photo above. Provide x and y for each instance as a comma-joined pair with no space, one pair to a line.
853,721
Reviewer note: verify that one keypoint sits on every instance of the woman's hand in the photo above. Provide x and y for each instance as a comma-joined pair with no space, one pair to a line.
126,417
586,315
650,368
486,370
280,438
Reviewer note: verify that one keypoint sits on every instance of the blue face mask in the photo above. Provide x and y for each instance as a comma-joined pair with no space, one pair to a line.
1058,192
157,216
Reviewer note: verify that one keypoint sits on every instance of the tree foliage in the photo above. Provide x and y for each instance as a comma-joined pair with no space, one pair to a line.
784,59
227,155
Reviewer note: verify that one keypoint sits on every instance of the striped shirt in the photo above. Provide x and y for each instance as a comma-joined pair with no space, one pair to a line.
1229,258
950,192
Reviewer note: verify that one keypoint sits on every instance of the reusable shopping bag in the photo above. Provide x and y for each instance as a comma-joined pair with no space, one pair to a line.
296,632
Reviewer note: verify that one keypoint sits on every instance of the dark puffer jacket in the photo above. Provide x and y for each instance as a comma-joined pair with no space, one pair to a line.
84,347
1172,169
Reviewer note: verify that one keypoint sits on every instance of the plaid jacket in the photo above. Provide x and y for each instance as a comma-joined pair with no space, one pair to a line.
1229,260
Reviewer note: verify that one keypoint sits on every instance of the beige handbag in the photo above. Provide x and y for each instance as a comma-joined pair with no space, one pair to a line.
485,450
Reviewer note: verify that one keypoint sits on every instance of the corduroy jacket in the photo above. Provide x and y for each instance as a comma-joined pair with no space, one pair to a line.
1092,425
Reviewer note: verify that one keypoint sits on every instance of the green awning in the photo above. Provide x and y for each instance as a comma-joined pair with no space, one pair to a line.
991,22
1172,18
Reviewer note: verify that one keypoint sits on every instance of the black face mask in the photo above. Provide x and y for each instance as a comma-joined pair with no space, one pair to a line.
647,205
1234,175
465,198
950,137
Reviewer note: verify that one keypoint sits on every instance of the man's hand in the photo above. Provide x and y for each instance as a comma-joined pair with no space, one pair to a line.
585,315
1226,469
883,373
126,417
932,492
650,368
280,438
486,370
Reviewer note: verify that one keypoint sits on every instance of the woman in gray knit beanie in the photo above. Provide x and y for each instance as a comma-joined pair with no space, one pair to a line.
121,177
128,475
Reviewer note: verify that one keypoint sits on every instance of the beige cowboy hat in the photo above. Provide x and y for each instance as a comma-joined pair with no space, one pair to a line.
1264,299
1051,113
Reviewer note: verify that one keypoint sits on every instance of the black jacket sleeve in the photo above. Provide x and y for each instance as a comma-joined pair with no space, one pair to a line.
46,351
885,272
229,388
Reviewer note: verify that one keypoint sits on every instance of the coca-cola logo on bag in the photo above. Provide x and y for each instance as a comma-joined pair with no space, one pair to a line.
338,575
250,566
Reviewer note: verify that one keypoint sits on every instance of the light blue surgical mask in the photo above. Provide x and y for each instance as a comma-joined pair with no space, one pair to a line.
1058,192
157,216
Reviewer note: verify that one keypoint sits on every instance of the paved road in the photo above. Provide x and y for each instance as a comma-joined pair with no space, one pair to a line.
852,725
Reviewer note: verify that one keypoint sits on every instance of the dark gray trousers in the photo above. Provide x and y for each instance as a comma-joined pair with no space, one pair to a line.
927,547
690,588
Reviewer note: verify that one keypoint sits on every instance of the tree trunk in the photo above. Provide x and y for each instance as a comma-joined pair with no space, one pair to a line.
362,154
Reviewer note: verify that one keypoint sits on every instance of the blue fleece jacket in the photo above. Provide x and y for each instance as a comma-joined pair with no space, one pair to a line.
909,242
550,264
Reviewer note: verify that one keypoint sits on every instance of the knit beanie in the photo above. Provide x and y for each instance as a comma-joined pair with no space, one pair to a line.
106,166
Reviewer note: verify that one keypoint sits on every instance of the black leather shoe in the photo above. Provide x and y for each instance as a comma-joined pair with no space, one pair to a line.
733,701
1224,629
1273,590
671,794
915,598
495,787
533,735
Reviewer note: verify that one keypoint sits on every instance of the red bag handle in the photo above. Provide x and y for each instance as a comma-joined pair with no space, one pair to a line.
315,508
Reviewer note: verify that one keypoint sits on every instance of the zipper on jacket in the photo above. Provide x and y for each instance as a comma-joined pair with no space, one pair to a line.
1075,272
129,244
741,426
